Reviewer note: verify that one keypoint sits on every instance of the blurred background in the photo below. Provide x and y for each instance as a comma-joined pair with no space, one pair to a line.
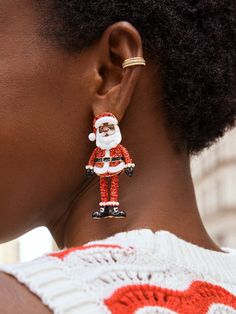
214,175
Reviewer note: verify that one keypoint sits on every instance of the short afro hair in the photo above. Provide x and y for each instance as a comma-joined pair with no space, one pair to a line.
193,40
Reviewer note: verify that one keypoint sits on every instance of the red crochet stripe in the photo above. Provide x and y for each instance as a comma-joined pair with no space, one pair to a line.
64,253
196,299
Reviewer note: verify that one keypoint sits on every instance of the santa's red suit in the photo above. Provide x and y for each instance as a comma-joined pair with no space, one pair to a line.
108,160
109,163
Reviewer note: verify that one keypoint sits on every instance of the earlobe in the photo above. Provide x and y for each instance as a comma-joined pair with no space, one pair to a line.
120,42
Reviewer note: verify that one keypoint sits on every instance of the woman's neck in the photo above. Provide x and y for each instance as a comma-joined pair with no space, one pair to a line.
159,196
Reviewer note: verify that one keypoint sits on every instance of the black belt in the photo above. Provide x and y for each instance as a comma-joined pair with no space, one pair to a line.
109,159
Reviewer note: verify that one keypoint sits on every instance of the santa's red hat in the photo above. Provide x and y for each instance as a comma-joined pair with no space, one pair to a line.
105,117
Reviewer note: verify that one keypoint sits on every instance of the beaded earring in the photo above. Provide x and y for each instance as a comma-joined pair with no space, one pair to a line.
108,160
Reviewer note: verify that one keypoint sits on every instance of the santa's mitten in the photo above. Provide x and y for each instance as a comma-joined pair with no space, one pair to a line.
129,169
89,171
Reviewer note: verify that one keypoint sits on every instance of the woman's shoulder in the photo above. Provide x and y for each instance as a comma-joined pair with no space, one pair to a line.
17,298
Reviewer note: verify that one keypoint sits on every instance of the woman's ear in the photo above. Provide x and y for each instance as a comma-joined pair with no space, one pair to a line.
119,42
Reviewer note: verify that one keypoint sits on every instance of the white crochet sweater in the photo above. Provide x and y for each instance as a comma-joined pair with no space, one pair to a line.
135,272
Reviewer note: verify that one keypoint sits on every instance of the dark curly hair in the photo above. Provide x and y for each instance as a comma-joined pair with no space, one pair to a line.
193,40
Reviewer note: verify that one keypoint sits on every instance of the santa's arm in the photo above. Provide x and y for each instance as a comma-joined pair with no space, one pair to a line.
129,165
92,158
126,155
90,165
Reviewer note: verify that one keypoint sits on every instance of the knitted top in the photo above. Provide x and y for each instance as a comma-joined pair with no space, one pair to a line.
135,272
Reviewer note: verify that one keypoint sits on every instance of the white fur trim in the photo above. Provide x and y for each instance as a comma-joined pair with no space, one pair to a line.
106,168
102,170
92,137
113,203
105,120
117,168
88,167
103,203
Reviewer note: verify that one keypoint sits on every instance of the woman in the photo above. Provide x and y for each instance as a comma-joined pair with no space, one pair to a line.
61,65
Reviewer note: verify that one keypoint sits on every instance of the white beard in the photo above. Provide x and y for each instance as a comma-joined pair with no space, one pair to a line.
108,142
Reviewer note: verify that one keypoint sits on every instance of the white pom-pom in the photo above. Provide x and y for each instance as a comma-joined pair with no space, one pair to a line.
92,137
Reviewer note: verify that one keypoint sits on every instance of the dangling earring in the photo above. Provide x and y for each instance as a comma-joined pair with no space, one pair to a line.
109,159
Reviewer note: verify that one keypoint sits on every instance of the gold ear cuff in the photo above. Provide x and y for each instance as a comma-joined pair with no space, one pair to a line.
133,61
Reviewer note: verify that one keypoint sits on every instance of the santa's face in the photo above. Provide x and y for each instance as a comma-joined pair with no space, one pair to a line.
106,129
108,136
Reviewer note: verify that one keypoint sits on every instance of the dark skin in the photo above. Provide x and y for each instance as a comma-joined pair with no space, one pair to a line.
48,100
105,128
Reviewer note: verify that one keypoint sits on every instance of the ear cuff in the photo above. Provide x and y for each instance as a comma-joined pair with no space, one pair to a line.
133,61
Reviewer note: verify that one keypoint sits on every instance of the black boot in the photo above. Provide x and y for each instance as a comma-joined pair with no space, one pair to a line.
101,213
114,212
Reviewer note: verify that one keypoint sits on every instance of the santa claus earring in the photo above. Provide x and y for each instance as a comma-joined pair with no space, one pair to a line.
109,159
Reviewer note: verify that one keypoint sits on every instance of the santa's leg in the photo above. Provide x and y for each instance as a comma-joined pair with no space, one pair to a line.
103,210
114,189
113,208
104,190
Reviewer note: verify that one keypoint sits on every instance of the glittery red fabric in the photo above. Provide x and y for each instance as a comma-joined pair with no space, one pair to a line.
104,189
118,151
114,188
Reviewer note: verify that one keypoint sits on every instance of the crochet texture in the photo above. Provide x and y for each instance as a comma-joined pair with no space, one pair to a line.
135,272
